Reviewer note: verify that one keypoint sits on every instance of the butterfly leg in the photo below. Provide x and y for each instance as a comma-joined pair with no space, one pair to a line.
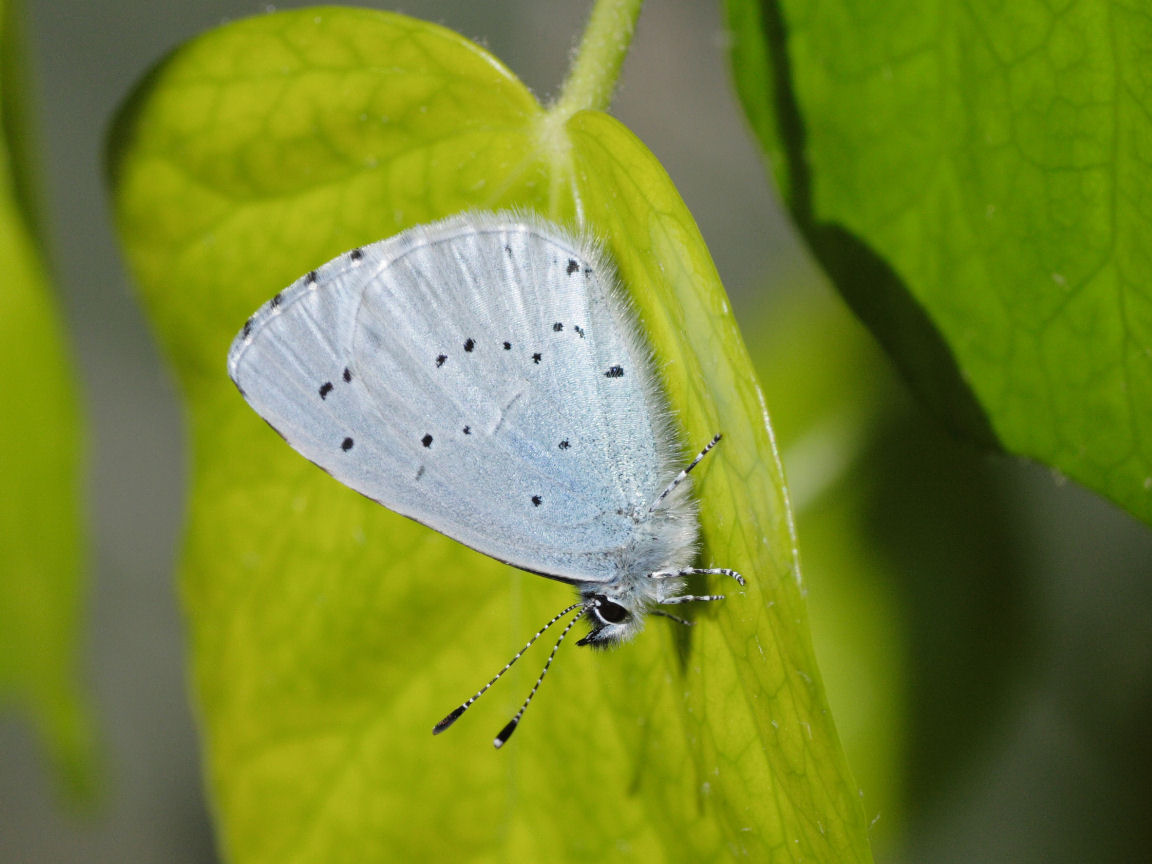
697,571
691,598
679,478
671,617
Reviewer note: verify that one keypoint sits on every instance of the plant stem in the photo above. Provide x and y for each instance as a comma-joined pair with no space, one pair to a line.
595,70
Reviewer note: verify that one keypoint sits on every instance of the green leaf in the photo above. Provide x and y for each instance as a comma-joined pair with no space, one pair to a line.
833,394
974,180
42,588
329,635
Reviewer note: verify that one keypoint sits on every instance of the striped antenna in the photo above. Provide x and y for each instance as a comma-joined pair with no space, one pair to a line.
679,478
455,715
506,733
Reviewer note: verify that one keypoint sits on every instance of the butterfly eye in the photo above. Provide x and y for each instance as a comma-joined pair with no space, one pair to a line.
612,613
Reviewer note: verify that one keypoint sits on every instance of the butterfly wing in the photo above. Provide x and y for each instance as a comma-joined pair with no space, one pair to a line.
480,375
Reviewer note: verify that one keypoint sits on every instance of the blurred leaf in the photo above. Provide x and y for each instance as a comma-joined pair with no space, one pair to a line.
41,532
973,179
915,556
328,634
833,393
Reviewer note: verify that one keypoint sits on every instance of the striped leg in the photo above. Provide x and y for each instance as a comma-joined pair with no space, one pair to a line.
672,617
697,571
680,477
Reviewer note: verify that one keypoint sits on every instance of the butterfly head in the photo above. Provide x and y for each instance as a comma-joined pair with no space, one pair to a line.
613,619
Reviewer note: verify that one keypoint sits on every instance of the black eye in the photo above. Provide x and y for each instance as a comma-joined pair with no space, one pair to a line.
611,612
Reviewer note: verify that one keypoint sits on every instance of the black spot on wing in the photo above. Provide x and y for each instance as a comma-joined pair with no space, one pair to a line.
440,358
356,254
557,327
426,440
325,389
507,346
573,266
537,357
469,345
346,444
347,375
564,445
537,500
614,372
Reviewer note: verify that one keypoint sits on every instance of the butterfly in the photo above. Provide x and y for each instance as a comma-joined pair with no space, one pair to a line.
485,376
